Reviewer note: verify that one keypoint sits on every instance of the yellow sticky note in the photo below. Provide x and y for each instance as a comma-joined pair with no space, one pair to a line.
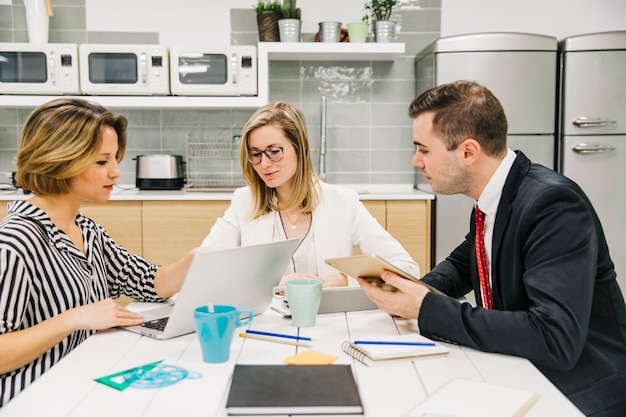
310,357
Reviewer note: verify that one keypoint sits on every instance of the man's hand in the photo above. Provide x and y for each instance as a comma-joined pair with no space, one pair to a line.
405,302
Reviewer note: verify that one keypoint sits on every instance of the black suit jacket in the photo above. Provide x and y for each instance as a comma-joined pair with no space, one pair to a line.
555,295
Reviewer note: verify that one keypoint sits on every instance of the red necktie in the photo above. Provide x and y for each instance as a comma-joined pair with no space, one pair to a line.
481,259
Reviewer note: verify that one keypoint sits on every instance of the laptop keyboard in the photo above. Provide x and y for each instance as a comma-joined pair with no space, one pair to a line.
157,324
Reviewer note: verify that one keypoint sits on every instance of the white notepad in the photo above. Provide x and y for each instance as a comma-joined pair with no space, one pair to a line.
376,354
468,398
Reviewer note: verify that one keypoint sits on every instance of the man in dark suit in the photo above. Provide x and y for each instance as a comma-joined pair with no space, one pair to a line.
545,287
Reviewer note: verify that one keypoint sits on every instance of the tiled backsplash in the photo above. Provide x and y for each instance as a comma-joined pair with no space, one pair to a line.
368,132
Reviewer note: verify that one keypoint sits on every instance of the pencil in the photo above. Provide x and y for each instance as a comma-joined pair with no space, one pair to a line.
286,336
275,340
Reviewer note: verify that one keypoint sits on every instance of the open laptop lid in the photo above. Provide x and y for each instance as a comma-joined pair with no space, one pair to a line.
340,299
242,276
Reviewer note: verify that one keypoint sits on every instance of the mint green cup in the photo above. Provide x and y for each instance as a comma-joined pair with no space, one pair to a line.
215,329
357,32
303,295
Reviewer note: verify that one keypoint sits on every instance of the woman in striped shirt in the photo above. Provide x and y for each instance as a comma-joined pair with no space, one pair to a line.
60,271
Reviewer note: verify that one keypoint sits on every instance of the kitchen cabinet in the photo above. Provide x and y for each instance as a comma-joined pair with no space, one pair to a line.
121,220
409,222
171,228
267,51
164,230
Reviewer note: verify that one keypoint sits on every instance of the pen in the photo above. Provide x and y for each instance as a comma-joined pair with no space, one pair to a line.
376,342
275,340
286,336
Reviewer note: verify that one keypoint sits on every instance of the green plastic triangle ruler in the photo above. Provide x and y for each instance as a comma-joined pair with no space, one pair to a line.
122,380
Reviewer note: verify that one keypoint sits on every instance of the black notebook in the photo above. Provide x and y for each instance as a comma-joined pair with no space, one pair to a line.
258,390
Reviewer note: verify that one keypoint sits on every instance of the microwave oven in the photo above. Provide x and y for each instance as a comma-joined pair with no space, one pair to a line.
141,70
229,70
29,68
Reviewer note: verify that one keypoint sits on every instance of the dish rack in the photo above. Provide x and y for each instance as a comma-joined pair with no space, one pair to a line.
213,164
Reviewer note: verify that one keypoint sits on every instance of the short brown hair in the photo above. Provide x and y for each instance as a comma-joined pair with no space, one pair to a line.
60,140
464,109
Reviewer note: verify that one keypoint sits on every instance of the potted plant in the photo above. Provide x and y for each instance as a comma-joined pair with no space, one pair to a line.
268,13
290,24
380,12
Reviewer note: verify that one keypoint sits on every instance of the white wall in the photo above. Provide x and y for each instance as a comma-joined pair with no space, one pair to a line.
202,21
558,18
183,22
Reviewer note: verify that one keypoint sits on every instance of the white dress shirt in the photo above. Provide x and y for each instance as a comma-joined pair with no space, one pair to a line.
490,199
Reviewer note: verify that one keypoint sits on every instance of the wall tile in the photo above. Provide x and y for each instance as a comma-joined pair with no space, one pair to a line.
138,117
285,70
58,4
286,90
427,20
368,133
123,37
393,91
146,138
243,20
70,18
6,16
67,36
7,164
8,138
7,35
8,116
394,160
19,16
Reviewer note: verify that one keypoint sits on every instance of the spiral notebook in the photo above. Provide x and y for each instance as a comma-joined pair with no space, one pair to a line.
408,347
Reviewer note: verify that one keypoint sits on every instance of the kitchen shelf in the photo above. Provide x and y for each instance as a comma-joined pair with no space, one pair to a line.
161,102
327,51
266,51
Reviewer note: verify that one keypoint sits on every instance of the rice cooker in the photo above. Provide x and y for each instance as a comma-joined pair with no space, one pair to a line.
160,172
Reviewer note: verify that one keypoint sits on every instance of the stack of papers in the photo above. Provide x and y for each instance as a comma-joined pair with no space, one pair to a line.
468,398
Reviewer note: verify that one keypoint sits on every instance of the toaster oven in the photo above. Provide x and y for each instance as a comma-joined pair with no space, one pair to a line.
28,68
229,70
124,69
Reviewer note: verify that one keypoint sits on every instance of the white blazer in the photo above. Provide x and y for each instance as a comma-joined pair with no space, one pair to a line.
340,222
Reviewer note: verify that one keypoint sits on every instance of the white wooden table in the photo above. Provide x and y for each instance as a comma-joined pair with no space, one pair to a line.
69,389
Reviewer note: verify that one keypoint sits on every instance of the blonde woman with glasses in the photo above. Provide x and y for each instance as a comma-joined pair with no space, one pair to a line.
285,199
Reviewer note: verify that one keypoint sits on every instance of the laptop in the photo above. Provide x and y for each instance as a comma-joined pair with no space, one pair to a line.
334,300
242,276
340,299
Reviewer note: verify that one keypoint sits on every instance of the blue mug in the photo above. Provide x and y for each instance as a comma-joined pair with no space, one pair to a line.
215,328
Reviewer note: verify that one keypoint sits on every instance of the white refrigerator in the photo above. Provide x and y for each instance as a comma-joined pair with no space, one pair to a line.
521,70
592,129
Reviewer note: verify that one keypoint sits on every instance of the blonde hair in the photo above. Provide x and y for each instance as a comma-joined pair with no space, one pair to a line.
60,140
290,120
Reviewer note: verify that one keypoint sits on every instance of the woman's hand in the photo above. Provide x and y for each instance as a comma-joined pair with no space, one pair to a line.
335,280
20,347
103,315
296,275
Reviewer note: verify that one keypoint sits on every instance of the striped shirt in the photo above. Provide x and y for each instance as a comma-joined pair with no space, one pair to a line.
42,274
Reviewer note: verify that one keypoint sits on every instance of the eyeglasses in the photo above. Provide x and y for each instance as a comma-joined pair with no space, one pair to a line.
273,153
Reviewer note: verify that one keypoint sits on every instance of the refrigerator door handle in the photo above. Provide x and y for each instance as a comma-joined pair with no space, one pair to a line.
585,148
586,121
